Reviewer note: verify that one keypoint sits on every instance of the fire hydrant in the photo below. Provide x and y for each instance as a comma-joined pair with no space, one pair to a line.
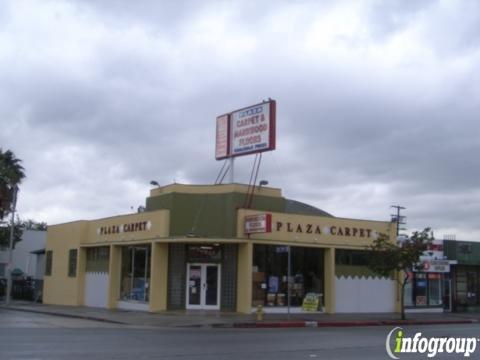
260,313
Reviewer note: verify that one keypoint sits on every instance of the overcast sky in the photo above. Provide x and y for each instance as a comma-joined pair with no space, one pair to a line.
377,102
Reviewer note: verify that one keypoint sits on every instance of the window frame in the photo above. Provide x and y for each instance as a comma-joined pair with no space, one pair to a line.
48,262
72,262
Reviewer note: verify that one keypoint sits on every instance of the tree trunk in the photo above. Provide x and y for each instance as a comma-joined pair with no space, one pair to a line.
402,302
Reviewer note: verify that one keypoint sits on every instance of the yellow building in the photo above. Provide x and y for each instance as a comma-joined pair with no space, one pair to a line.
213,247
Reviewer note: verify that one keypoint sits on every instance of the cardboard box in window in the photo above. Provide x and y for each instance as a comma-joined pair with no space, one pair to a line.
258,277
271,299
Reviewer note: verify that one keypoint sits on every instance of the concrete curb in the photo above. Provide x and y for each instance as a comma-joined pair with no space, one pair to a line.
359,323
73,316
260,324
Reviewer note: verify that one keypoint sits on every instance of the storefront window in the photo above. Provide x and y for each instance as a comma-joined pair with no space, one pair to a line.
467,287
352,257
98,259
135,279
408,292
420,289
270,275
424,289
472,288
434,289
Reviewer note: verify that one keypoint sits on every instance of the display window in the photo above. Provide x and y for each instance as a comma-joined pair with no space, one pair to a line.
270,275
423,290
467,283
135,276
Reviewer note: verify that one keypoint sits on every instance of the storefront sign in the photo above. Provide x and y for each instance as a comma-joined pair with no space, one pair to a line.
246,131
252,129
434,251
311,302
204,253
124,228
260,223
328,230
281,249
438,266
221,145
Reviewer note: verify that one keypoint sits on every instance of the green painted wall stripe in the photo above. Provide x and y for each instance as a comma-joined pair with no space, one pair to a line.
209,215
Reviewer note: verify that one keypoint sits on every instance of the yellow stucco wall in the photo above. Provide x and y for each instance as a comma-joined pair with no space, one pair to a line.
59,288
244,278
159,277
329,292
114,271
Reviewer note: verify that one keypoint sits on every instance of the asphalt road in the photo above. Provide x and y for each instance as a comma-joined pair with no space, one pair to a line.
34,337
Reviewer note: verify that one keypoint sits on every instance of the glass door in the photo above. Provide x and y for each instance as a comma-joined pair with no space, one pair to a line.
203,286
194,286
211,285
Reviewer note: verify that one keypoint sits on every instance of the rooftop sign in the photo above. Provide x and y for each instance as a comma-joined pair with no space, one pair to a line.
221,148
246,131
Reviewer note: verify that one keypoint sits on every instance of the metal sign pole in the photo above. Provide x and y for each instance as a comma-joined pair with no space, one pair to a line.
10,247
232,172
289,273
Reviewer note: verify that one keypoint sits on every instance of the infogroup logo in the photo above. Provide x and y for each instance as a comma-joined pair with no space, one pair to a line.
397,343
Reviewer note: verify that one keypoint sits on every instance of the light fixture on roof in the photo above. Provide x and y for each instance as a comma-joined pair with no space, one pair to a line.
263,183
154,183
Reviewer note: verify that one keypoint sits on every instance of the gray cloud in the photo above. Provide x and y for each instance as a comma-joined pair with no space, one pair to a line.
377,103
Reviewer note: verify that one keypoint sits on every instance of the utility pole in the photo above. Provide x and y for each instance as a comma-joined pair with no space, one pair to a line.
10,246
400,220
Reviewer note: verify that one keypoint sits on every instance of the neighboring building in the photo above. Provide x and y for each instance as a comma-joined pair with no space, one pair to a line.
198,247
40,263
429,287
23,258
465,275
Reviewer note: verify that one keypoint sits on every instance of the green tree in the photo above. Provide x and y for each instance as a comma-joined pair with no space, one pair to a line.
31,224
389,257
5,234
11,175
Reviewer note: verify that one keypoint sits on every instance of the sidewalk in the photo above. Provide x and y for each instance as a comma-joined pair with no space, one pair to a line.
222,319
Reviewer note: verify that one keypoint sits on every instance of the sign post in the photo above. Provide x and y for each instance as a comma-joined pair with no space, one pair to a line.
10,247
289,273
232,170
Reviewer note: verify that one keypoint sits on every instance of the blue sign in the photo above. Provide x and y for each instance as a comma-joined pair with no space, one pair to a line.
281,249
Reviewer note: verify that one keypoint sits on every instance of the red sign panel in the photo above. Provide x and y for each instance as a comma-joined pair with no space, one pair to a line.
221,148
260,223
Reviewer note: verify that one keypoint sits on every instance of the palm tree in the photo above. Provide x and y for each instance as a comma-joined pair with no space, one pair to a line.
11,175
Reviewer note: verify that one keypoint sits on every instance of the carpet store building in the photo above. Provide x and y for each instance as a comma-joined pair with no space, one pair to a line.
198,247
